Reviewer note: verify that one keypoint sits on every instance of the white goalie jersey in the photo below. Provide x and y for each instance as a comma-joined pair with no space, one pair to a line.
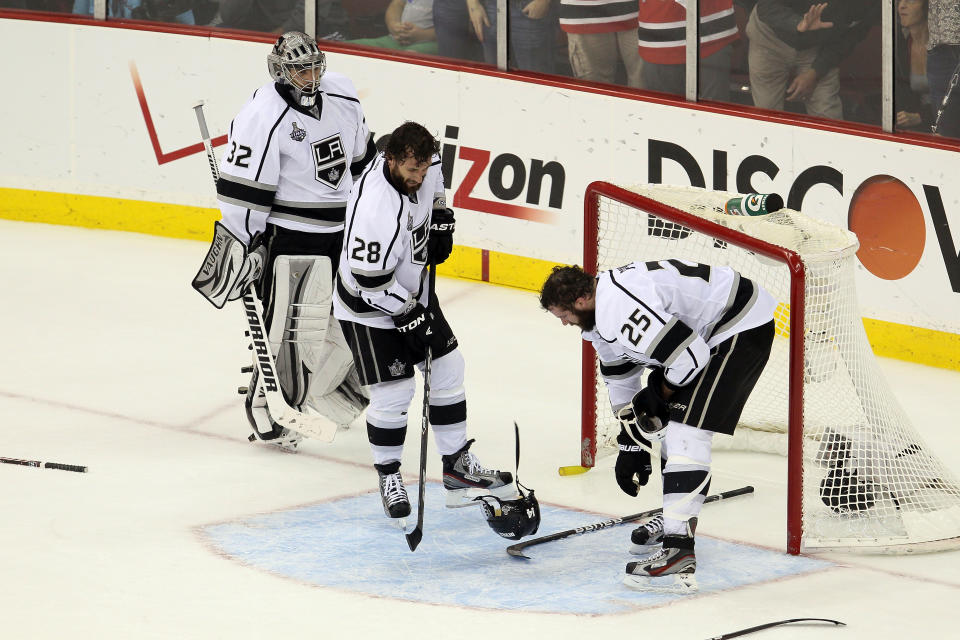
291,166
382,269
669,313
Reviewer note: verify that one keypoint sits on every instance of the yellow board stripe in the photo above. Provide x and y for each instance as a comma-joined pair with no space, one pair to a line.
888,339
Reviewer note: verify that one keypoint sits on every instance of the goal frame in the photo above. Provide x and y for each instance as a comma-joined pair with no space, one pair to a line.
797,269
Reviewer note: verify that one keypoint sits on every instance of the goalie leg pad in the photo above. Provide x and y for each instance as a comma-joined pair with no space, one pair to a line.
335,389
387,418
686,475
264,428
300,304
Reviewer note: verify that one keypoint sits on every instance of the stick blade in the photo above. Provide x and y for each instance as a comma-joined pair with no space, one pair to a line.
517,552
414,538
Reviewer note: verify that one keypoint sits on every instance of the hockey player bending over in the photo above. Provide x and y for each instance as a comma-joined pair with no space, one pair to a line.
292,154
397,224
705,333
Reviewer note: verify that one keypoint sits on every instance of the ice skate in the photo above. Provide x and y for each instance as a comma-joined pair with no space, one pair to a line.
465,479
645,539
670,570
396,504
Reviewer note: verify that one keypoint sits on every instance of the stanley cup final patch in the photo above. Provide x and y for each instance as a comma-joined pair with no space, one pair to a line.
330,161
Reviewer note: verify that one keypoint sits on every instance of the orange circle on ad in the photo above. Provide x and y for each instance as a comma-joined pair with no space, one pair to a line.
888,220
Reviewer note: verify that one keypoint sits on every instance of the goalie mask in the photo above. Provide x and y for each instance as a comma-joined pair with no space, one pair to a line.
512,519
298,63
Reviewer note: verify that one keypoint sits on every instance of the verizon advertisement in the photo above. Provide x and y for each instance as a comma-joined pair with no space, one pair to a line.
112,117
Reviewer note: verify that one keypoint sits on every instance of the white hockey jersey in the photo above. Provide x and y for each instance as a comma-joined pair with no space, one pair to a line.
385,246
286,166
669,313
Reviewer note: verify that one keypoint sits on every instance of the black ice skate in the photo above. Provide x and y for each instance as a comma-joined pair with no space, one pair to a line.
396,504
645,539
670,570
465,479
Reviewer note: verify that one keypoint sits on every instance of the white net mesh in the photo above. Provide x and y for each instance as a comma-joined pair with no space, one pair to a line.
869,482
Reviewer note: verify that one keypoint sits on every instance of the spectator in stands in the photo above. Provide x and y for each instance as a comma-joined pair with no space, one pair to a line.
912,92
600,35
455,35
943,64
796,47
662,34
281,16
532,30
180,11
410,23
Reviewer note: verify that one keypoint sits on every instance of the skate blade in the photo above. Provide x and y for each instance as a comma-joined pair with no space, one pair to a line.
457,498
400,523
677,583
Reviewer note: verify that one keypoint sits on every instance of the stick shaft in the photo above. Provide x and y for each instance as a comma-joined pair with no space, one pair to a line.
761,627
414,537
517,549
44,465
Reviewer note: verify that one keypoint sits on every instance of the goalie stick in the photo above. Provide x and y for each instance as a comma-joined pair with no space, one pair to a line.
761,627
313,426
44,465
516,550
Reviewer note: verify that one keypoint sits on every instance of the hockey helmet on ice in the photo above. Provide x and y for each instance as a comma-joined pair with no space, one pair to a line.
296,61
512,519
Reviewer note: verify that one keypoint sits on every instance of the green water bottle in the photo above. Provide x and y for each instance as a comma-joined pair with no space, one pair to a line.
753,204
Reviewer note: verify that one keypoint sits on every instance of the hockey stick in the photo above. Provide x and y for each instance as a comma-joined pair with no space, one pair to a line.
516,550
761,627
313,426
415,536
45,465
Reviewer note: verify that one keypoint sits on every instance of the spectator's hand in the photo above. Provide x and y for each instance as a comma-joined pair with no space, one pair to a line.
907,120
478,17
537,9
416,34
811,19
802,86
402,33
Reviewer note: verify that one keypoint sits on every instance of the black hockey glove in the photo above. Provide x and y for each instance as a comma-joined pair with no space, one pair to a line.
440,243
414,326
651,409
633,462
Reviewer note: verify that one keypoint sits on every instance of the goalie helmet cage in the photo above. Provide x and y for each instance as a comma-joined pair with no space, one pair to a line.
859,476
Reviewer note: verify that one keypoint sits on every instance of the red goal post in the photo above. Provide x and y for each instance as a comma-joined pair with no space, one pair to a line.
859,476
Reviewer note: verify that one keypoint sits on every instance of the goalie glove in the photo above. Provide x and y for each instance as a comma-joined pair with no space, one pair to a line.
228,268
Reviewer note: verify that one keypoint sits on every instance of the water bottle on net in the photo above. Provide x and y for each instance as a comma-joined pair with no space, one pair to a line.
753,204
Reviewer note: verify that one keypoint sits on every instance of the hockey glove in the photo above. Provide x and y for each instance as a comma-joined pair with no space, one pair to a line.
414,326
228,268
440,243
633,462
651,409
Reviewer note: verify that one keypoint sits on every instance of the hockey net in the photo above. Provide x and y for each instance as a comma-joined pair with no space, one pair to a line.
859,475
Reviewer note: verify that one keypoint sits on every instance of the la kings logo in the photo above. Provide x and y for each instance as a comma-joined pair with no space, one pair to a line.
330,160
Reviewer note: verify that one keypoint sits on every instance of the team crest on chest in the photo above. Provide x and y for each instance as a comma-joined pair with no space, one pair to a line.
298,134
330,160
397,368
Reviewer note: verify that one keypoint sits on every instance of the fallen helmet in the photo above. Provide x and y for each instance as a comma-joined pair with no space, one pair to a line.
512,519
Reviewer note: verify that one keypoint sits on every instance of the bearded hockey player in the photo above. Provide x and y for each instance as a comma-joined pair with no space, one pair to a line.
397,224
705,333
292,153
